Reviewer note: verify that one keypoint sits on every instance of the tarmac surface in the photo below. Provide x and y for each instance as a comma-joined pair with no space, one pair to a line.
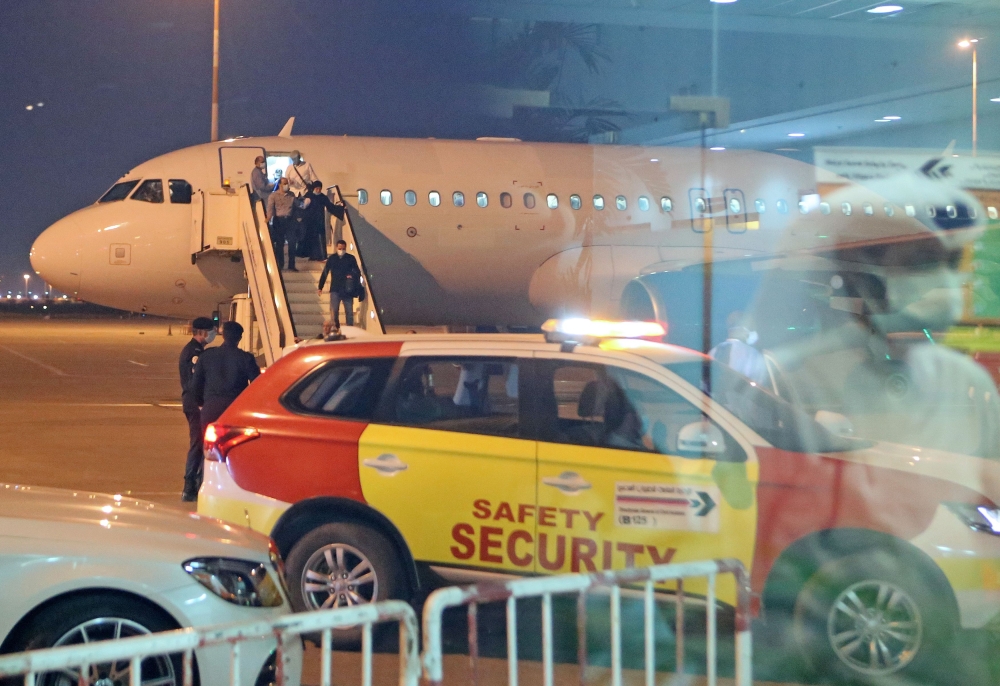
92,405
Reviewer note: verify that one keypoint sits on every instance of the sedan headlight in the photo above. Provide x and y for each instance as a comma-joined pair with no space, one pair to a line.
979,517
241,582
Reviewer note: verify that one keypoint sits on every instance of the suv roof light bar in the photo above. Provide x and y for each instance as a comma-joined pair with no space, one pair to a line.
582,330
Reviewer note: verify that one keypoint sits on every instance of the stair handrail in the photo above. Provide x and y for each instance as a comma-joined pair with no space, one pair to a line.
267,288
365,275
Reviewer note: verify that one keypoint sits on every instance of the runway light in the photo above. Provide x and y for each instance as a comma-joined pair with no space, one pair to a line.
796,135
885,9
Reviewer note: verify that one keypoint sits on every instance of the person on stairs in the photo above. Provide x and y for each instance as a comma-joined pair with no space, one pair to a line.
345,279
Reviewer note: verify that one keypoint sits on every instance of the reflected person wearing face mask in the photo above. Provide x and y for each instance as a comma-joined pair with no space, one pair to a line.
202,333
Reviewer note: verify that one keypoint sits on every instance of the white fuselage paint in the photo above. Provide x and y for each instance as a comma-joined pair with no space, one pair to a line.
470,264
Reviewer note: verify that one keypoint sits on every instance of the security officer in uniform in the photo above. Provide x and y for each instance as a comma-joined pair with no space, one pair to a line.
203,332
222,373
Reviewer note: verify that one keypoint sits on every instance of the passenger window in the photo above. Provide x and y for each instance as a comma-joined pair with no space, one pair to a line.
621,203
386,197
735,206
529,200
824,208
598,202
760,206
803,207
150,191
952,211
700,206
609,407
931,211
992,213
482,199
347,390
434,198
781,206
362,196
458,198
889,210
410,198
643,203
910,210
505,200
477,395
119,191
552,201
575,202
666,204
180,192
868,209
846,208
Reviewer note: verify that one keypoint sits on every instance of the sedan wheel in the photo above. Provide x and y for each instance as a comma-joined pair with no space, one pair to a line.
157,670
339,575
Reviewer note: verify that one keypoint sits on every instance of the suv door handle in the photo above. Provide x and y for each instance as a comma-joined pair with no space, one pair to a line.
567,482
386,463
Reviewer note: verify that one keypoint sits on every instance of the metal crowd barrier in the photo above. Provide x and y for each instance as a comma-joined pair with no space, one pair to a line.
134,650
582,584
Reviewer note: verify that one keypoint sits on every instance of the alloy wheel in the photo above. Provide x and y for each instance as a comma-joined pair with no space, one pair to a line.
874,627
156,670
338,575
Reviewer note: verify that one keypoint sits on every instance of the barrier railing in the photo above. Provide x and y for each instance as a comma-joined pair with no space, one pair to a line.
583,584
81,660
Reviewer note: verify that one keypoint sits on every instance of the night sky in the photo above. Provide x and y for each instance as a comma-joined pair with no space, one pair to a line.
123,81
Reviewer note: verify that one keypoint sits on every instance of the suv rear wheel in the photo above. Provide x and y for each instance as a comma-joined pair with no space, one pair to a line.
343,565
867,617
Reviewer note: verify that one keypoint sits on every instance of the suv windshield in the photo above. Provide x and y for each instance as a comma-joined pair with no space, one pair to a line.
119,191
781,424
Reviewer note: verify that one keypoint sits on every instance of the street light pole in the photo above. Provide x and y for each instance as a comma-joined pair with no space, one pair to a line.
215,75
971,43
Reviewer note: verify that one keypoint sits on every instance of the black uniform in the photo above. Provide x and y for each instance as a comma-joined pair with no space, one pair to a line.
194,466
344,283
314,221
221,375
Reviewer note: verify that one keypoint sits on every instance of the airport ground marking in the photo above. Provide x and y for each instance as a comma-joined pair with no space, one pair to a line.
54,370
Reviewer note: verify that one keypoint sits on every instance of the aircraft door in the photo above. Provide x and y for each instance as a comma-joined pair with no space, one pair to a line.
701,210
197,223
736,210
236,165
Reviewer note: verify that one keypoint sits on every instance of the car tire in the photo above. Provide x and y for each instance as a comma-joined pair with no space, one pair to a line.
871,619
100,616
325,565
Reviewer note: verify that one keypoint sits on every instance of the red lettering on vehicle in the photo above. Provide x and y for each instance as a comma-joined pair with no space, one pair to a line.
524,511
487,543
583,551
606,554
504,512
569,516
461,533
658,559
593,519
547,516
543,552
482,509
630,550
519,560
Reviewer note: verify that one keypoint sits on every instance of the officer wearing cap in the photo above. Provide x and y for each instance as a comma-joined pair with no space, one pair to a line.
222,373
203,333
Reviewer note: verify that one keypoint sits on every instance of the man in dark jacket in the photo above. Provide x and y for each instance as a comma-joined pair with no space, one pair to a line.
222,374
345,278
315,204
203,333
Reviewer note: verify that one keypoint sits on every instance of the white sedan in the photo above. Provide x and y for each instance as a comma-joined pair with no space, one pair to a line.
78,567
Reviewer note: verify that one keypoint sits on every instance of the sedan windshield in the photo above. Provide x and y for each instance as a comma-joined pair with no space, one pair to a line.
781,424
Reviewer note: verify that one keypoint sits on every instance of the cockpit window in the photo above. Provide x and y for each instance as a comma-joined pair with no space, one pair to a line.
180,192
119,191
151,190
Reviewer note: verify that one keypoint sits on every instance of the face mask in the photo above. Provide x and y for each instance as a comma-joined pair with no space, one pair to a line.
210,336
340,252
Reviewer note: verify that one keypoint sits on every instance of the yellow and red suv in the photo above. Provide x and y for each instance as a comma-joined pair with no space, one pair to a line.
377,464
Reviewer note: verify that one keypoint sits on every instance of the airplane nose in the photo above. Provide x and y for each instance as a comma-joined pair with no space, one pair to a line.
55,255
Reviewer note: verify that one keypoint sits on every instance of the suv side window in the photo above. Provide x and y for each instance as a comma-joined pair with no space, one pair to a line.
346,389
609,407
478,395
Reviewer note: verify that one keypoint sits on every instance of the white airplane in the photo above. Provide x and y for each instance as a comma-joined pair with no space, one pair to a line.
494,231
